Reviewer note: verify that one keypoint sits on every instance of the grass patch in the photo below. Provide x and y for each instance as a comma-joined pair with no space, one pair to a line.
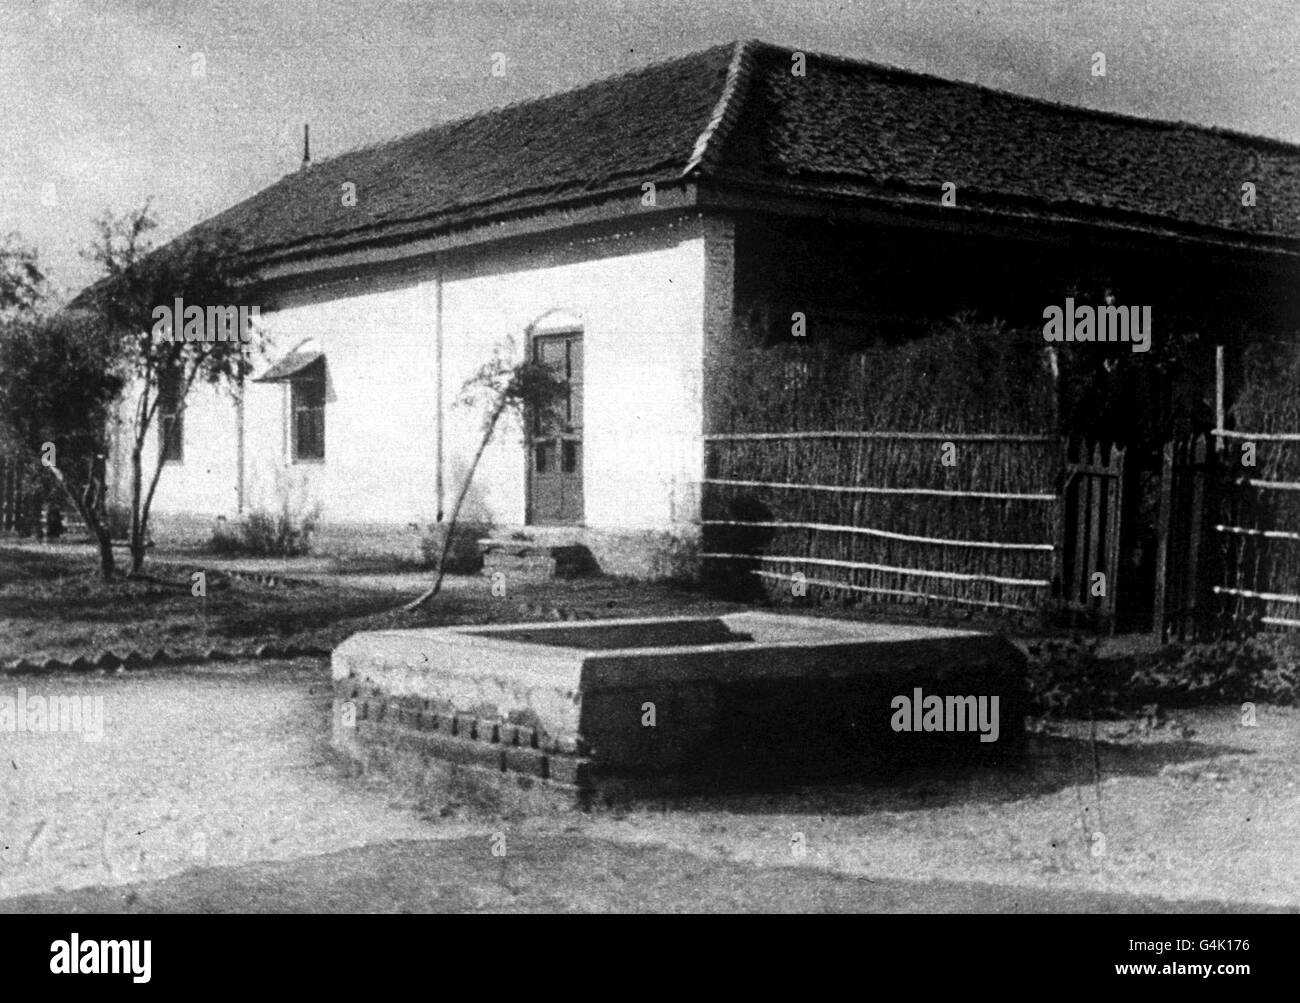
52,604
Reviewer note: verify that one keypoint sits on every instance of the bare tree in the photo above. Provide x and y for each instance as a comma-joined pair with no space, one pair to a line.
202,272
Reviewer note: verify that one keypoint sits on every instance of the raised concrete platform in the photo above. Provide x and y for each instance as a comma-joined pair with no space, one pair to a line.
679,697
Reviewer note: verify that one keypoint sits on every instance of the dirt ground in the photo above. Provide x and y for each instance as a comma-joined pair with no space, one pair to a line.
214,789
1213,815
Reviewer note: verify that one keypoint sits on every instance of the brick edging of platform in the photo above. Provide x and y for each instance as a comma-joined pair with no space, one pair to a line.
422,726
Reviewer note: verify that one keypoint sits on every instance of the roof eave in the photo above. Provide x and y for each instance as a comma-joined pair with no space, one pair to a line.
809,198
441,236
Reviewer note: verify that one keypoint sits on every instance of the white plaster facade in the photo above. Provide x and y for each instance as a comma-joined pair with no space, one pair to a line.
639,298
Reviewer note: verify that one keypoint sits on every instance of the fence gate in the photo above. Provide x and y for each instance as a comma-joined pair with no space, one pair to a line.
1089,531
1185,563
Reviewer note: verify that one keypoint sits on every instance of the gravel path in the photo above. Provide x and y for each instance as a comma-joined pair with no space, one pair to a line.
215,790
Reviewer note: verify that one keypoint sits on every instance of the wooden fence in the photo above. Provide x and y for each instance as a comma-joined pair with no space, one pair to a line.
1229,556
883,516
1258,529
13,517
1230,512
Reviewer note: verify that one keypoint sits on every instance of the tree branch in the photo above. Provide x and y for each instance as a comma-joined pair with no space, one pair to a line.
424,597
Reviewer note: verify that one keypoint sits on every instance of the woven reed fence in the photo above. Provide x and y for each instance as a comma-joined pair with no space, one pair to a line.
831,467
877,514
1259,527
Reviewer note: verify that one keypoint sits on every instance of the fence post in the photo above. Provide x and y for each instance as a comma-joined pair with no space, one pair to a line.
1162,538
1192,599
1079,585
1097,485
1219,415
1114,522
1058,530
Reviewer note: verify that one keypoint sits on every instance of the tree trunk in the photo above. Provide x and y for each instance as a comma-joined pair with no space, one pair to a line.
107,565
455,514
145,506
89,515
137,529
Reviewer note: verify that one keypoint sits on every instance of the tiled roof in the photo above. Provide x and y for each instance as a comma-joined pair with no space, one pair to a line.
736,115
607,136
869,128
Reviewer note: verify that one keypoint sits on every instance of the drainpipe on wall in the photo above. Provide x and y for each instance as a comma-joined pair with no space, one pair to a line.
437,340
239,449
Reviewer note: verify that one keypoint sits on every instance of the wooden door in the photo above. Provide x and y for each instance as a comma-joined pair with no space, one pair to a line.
555,448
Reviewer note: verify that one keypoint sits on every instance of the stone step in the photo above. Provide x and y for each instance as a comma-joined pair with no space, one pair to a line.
532,561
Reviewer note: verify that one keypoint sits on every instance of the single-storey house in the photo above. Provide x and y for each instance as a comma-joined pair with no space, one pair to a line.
620,231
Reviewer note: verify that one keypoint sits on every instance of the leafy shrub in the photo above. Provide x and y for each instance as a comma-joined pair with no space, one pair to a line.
1067,679
1224,671
280,535
1062,677
464,556
226,544
266,534
1283,676
286,532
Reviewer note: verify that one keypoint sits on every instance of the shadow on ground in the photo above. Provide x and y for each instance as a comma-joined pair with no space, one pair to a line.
565,874
1048,764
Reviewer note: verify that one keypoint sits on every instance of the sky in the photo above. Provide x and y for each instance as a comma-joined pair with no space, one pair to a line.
106,107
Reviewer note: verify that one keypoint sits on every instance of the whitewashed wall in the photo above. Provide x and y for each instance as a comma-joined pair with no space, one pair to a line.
641,315
203,484
640,301
379,412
